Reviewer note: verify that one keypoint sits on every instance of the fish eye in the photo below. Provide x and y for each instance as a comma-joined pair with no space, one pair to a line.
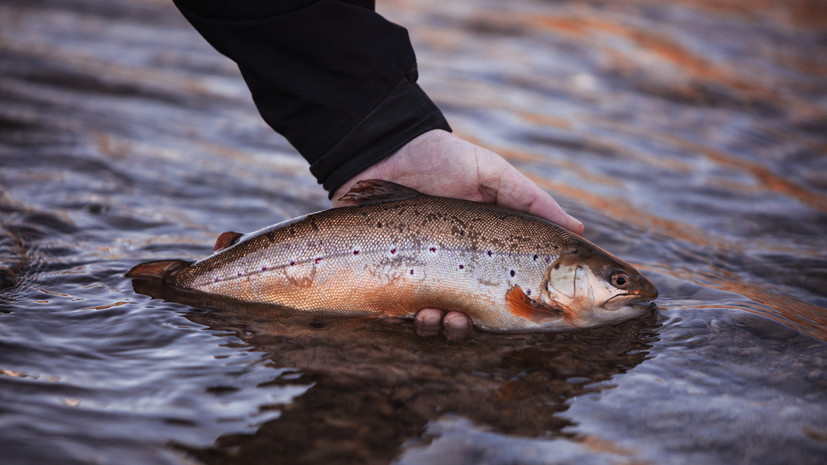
620,279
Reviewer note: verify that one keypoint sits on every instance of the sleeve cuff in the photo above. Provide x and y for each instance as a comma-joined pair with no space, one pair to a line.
404,114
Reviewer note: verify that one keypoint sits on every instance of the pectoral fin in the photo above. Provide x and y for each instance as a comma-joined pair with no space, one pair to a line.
525,307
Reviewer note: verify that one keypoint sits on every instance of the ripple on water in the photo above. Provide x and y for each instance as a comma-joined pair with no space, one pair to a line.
698,157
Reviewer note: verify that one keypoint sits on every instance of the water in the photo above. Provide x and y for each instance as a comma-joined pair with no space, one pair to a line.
690,138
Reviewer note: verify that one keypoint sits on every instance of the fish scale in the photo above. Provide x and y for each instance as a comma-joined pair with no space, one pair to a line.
396,252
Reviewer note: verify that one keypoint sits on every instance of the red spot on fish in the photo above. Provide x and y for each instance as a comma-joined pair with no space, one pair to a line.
318,259
264,268
461,267
393,251
292,262
411,272
216,279
432,249
355,252
239,273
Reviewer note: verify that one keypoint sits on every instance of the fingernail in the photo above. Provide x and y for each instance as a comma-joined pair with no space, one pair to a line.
456,323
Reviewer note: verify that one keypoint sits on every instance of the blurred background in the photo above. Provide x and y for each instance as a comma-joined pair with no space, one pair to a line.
690,137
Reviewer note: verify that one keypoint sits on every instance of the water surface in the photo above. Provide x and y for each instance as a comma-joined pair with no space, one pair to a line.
689,137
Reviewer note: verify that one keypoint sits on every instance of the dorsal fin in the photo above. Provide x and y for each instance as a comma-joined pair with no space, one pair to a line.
226,239
376,191
525,307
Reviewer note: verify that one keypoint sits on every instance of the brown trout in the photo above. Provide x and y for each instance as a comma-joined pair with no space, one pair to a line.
399,251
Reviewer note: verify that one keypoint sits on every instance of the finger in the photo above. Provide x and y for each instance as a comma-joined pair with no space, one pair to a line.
456,326
508,187
428,322
456,321
429,317
544,206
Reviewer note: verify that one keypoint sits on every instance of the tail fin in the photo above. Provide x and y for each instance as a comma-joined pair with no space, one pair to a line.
157,269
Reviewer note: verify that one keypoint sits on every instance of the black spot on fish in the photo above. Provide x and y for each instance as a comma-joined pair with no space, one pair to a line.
536,257
512,273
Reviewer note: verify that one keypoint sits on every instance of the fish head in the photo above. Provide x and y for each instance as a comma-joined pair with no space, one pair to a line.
592,288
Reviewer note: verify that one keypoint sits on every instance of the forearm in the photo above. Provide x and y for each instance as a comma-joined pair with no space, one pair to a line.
336,79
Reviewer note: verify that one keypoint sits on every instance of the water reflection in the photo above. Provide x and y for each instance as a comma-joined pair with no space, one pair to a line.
375,385
687,135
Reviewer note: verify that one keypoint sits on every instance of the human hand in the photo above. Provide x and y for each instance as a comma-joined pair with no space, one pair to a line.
440,163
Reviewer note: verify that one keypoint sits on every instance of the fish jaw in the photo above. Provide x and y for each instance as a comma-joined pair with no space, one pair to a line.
644,293
625,306
627,310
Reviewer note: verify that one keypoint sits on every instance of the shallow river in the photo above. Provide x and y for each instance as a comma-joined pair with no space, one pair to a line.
690,137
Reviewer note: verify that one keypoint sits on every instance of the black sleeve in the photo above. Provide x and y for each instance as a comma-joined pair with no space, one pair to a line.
334,77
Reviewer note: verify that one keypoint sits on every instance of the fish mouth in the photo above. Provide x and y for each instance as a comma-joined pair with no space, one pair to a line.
636,299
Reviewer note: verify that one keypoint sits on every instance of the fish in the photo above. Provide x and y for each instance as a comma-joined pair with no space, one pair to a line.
395,251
